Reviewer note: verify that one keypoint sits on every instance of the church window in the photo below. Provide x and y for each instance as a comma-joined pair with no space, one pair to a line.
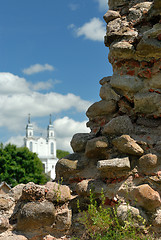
30,134
51,134
31,146
52,148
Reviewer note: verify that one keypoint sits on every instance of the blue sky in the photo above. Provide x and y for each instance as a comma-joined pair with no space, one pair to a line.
52,58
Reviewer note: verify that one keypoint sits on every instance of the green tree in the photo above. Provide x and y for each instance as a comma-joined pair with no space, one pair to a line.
19,165
60,153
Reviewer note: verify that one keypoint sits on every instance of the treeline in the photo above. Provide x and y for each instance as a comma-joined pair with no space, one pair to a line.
19,165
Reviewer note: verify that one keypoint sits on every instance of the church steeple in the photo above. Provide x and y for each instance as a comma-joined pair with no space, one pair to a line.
50,129
29,127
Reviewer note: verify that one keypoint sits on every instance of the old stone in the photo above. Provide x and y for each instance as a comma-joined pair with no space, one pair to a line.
16,192
107,93
33,192
79,140
146,197
36,215
6,202
152,100
126,212
101,108
126,83
122,49
97,148
118,125
56,192
111,15
105,80
126,144
148,161
4,224
114,167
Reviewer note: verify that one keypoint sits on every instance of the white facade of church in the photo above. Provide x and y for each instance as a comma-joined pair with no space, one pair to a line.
44,147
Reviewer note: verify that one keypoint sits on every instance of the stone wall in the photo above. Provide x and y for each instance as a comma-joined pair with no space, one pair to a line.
121,155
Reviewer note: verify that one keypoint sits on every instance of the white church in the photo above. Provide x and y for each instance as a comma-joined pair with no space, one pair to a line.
44,147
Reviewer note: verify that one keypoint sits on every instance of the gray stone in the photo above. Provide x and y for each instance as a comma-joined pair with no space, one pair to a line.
117,3
118,29
16,192
111,15
101,108
115,167
63,219
155,81
126,83
79,140
70,165
36,216
152,100
97,148
107,93
105,80
118,125
126,144
136,216
137,12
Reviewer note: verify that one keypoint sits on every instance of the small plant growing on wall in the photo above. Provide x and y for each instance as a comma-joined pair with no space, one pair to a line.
102,223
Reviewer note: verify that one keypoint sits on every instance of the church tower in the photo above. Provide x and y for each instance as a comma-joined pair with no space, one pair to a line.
29,128
44,147
51,139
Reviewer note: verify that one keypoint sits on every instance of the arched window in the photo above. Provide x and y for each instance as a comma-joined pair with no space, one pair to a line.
31,146
51,134
30,133
52,148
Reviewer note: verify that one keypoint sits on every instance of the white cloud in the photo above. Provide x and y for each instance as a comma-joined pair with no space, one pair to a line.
103,5
38,68
18,141
65,128
93,30
16,104
12,84
44,85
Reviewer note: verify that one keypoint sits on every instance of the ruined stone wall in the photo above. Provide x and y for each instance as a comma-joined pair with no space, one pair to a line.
121,155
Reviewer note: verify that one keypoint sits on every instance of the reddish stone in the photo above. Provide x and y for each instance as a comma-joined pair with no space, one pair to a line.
131,72
151,90
134,63
145,73
158,92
